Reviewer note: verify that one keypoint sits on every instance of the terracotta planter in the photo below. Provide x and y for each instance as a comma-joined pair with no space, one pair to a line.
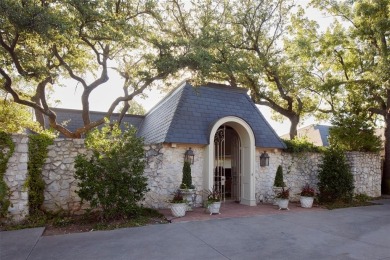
306,202
214,208
283,204
178,209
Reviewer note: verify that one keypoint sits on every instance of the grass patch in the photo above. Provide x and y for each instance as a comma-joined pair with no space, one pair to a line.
61,223
359,200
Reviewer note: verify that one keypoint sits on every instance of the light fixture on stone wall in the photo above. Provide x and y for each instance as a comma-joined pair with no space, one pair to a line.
189,156
264,159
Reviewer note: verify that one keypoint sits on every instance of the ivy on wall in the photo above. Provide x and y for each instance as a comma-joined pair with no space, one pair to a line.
7,148
37,153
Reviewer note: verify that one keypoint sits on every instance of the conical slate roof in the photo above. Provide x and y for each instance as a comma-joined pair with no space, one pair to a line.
187,114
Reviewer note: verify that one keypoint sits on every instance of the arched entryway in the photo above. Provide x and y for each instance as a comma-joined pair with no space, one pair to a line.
227,163
240,136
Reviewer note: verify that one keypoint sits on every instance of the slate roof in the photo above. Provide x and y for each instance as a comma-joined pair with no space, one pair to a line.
324,132
187,114
73,118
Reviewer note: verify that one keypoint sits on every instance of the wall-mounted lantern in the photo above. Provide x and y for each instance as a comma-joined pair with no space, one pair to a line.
264,159
189,156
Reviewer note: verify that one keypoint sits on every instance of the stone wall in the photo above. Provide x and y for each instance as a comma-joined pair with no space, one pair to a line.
302,169
16,176
58,174
164,163
164,171
366,170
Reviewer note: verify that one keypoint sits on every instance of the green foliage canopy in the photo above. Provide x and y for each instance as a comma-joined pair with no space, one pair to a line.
357,52
354,132
258,45
15,118
44,42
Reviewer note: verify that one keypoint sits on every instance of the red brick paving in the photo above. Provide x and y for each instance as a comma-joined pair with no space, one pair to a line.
231,209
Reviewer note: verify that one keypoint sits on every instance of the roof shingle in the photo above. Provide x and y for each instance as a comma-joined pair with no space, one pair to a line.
188,113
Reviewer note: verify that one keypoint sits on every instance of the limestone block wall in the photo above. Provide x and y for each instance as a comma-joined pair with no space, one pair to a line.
264,176
16,176
58,174
164,164
302,169
299,170
164,169
366,170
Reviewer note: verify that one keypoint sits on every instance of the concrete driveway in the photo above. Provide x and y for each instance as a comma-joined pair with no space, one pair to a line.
353,233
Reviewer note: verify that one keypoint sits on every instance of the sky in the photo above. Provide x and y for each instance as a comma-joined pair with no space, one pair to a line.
102,97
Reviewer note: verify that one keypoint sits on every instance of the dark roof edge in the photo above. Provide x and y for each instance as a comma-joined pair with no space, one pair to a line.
219,85
174,90
273,131
95,112
178,104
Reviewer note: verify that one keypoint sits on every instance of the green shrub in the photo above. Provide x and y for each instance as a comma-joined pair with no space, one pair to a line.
279,182
186,182
7,148
301,145
335,177
112,178
37,153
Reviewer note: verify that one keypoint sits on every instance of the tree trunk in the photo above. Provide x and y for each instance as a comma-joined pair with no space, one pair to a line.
294,125
386,165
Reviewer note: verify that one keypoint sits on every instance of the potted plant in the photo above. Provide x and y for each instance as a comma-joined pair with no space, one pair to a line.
178,204
283,197
186,187
307,196
214,201
278,183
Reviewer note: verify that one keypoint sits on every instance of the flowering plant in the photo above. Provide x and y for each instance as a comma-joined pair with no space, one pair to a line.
214,196
178,197
284,194
307,191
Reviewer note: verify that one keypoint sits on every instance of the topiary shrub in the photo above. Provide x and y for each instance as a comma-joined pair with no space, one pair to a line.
7,148
186,182
112,178
335,177
278,182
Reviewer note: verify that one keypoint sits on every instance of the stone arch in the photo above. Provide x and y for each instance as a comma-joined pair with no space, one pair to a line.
248,149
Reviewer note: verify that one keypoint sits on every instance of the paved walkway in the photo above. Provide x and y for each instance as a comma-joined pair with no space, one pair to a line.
231,209
353,233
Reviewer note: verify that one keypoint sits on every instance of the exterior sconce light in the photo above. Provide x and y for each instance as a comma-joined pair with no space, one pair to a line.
264,159
189,156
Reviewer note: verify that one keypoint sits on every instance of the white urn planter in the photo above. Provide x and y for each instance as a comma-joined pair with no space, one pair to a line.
178,209
283,204
214,208
276,190
189,196
306,202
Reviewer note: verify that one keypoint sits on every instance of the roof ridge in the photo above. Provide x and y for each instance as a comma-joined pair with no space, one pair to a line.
91,111
184,88
171,93
266,122
223,86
